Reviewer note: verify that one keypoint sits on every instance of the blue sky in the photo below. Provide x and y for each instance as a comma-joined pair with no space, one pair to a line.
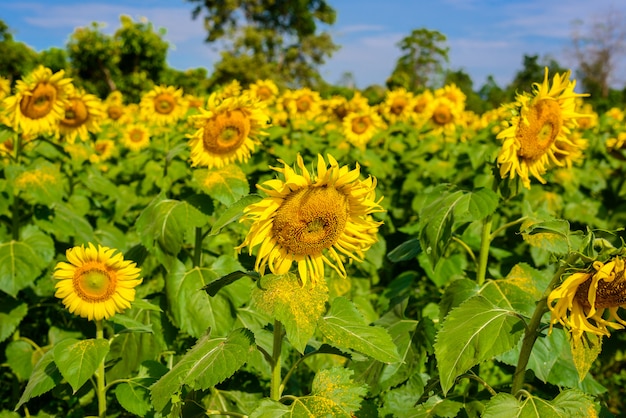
486,37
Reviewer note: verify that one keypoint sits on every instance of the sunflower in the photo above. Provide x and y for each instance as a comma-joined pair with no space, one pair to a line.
454,94
163,105
5,87
359,128
83,114
588,301
313,219
39,101
136,137
303,104
102,151
265,90
397,105
539,129
227,130
96,283
443,115
114,106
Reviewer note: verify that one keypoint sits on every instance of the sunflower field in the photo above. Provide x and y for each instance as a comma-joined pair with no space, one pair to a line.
266,252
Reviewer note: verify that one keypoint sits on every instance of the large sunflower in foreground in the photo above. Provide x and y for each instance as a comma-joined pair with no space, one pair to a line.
539,130
228,130
83,114
163,105
588,301
313,219
39,101
96,283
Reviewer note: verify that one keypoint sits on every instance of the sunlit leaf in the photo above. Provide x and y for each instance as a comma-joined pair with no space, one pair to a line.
436,222
21,262
475,331
207,363
78,360
233,213
569,403
345,328
227,184
552,236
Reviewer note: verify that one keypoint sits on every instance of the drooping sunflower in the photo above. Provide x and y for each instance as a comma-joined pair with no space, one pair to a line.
359,128
588,301
540,126
163,105
96,283
313,219
136,137
83,114
39,101
227,131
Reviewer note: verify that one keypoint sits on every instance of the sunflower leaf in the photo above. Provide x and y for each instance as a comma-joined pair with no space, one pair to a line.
209,362
484,330
11,314
437,220
408,250
45,376
22,261
78,360
233,212
345,328
227,184
568,403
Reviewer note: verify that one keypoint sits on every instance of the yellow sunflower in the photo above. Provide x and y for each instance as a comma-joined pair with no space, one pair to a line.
588,301
136,137
443,115
5,87
114,106
303,104
96,283
397,105
359,128
39,101
454,94
540,127
102,151
83,114
163,105
265,90
313,219
227,131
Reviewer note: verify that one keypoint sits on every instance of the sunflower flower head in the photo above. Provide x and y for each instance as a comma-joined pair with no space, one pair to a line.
227,131
83,114
96,283
588,301
539,131
313,219
163,105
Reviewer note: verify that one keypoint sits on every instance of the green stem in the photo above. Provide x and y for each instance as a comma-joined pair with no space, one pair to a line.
465,247
275,390
532,330
100,386
483,255
15,218
507,225
197,248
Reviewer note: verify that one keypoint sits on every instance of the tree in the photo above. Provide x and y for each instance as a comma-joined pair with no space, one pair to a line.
16,58
533,71
597,51
277,38
422,64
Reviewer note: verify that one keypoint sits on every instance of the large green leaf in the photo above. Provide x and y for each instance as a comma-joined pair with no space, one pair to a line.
207,363
475,331
296,306
194,311
45,376
233,212
569,403
345,328
552,236
227,184
337,386
164,223
78,360
11,314
436,221
19,356
64,222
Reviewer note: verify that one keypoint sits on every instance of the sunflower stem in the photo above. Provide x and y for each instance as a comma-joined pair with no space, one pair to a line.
483,255
197,248
275,390
532,330
100,386
15,218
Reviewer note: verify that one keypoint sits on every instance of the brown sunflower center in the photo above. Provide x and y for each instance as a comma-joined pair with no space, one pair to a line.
311,220
303,104
264,93
608,295
164,103
341,111
544,125
360,124
100,147
420,106
226,132
442,115
115,112
40,103
136,135
76,113
398,105
94,282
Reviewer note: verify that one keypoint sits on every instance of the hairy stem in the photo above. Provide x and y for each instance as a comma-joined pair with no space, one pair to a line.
100,386
483,255
275,389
